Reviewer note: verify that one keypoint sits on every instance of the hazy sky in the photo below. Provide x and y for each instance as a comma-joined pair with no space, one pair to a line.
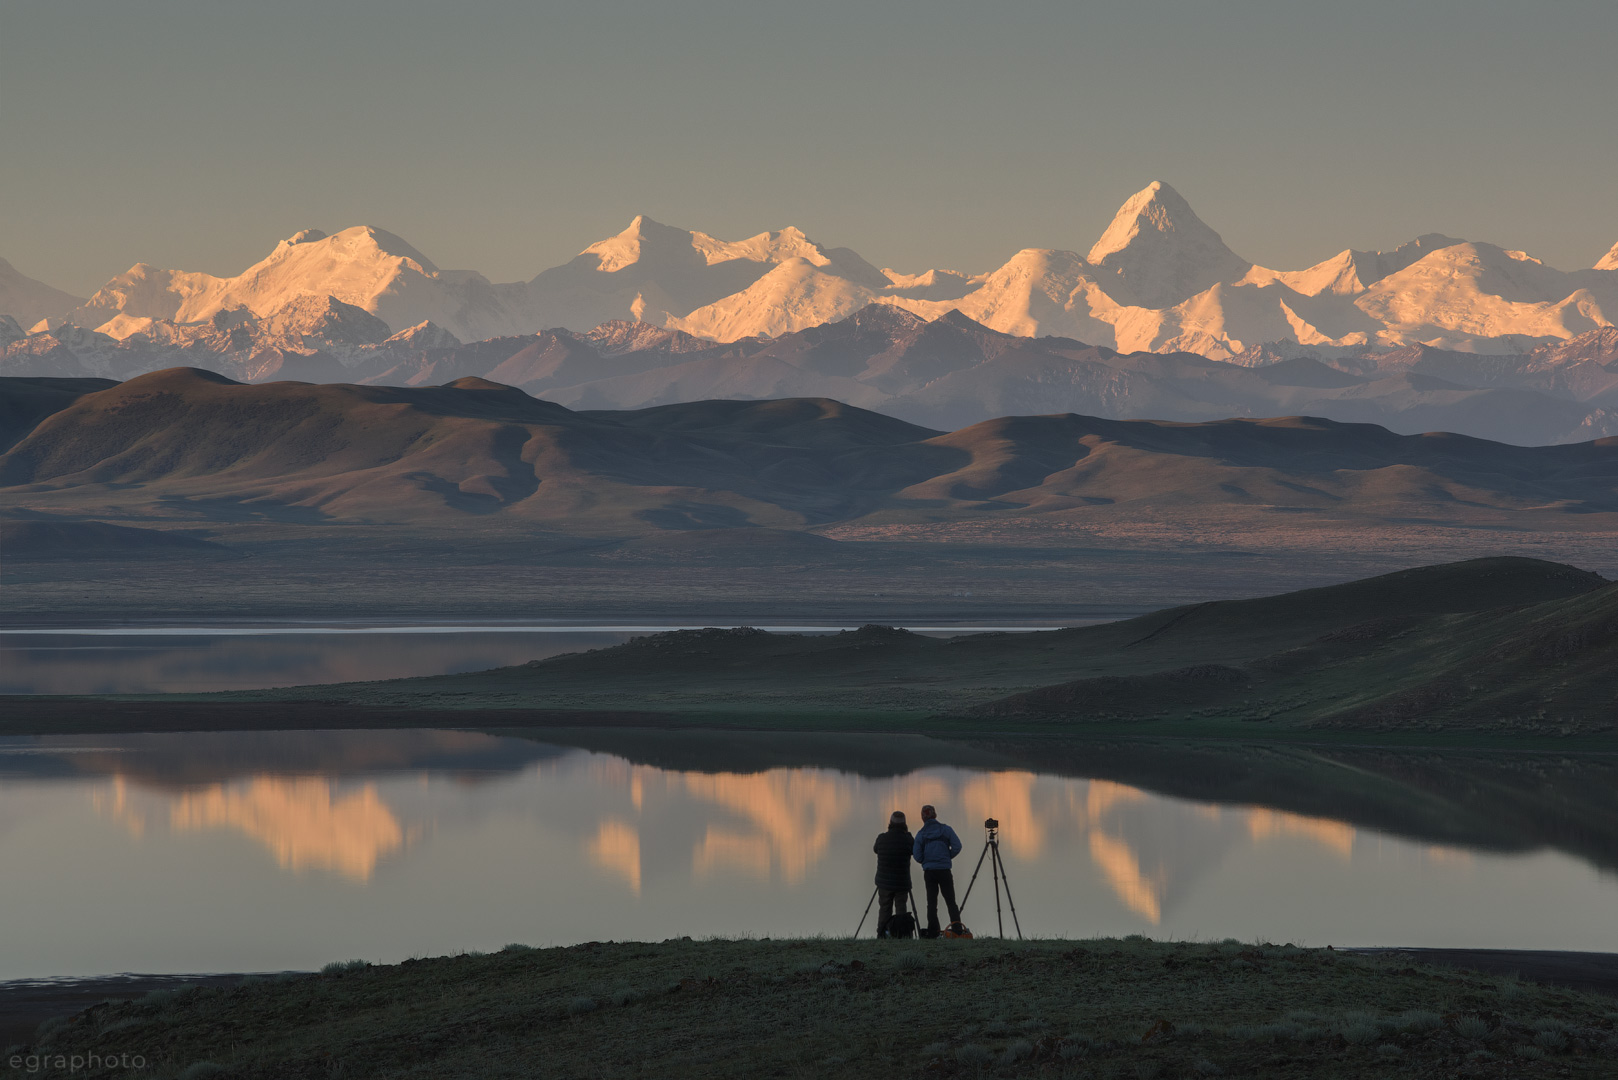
505,135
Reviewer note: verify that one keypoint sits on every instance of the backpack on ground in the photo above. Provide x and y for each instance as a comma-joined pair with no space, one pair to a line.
902,925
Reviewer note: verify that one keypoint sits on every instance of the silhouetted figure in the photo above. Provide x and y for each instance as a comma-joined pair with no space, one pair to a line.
893,849
935,847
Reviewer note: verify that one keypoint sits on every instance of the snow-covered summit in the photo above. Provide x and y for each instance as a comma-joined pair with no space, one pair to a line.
1157,252
619,336
1157,279
425,335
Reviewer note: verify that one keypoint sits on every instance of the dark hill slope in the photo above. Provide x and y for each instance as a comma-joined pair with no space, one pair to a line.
190,443
25,402
93,539
1550,666
1243,658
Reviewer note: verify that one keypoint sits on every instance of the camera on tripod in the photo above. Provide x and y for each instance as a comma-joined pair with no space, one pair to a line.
997,874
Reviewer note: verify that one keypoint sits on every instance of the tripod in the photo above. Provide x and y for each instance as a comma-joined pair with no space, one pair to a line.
997,871
914,917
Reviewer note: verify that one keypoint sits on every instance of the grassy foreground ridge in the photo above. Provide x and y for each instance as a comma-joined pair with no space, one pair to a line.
846,1008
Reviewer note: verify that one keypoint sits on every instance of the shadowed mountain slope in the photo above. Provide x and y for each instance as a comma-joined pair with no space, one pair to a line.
1551,667
185,443
25,402
97,539
944,373
1518,643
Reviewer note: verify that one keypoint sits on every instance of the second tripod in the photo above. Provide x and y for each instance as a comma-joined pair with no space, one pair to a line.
997,871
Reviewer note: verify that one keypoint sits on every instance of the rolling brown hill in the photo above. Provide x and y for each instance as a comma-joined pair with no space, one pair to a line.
186,444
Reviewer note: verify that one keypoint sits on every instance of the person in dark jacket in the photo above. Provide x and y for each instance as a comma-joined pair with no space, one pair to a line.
935,847
893,850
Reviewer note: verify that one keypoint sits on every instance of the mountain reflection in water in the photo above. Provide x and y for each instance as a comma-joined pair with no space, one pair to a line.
272,850
300,820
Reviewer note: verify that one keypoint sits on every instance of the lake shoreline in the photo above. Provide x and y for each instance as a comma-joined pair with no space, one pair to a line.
46,715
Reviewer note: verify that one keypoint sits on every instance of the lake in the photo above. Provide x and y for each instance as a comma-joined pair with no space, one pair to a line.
262,851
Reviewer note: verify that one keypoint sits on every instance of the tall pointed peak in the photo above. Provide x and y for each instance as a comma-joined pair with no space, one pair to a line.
643,236
1157,207
1160,253
1609,261
643,225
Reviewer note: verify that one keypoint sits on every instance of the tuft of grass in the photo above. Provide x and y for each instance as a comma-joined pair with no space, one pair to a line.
1551,1041
1074,1046
517,947
343,967
47,1030
1420,1020
1389,1051
199,1069
1361,1033
973,1054
581,1005
1472,1027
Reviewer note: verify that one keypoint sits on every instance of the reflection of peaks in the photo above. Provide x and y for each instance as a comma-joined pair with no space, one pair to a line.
616,847
1120,865
1149,852
1103,795
1265,824
299,821
722,847
794,809
1009,798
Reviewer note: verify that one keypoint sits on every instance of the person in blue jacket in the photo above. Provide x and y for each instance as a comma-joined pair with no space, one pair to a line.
935,847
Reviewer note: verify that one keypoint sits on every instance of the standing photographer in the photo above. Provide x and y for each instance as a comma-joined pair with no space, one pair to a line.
892,871
935,847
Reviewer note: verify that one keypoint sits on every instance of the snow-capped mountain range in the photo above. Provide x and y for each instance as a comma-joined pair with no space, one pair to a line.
1158,279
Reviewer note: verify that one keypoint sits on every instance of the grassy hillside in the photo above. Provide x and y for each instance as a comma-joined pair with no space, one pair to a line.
840,1008
1510,644
1547,666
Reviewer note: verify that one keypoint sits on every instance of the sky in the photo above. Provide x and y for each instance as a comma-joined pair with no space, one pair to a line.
506,135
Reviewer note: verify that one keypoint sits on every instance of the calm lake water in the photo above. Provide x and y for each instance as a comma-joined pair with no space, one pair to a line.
285,850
